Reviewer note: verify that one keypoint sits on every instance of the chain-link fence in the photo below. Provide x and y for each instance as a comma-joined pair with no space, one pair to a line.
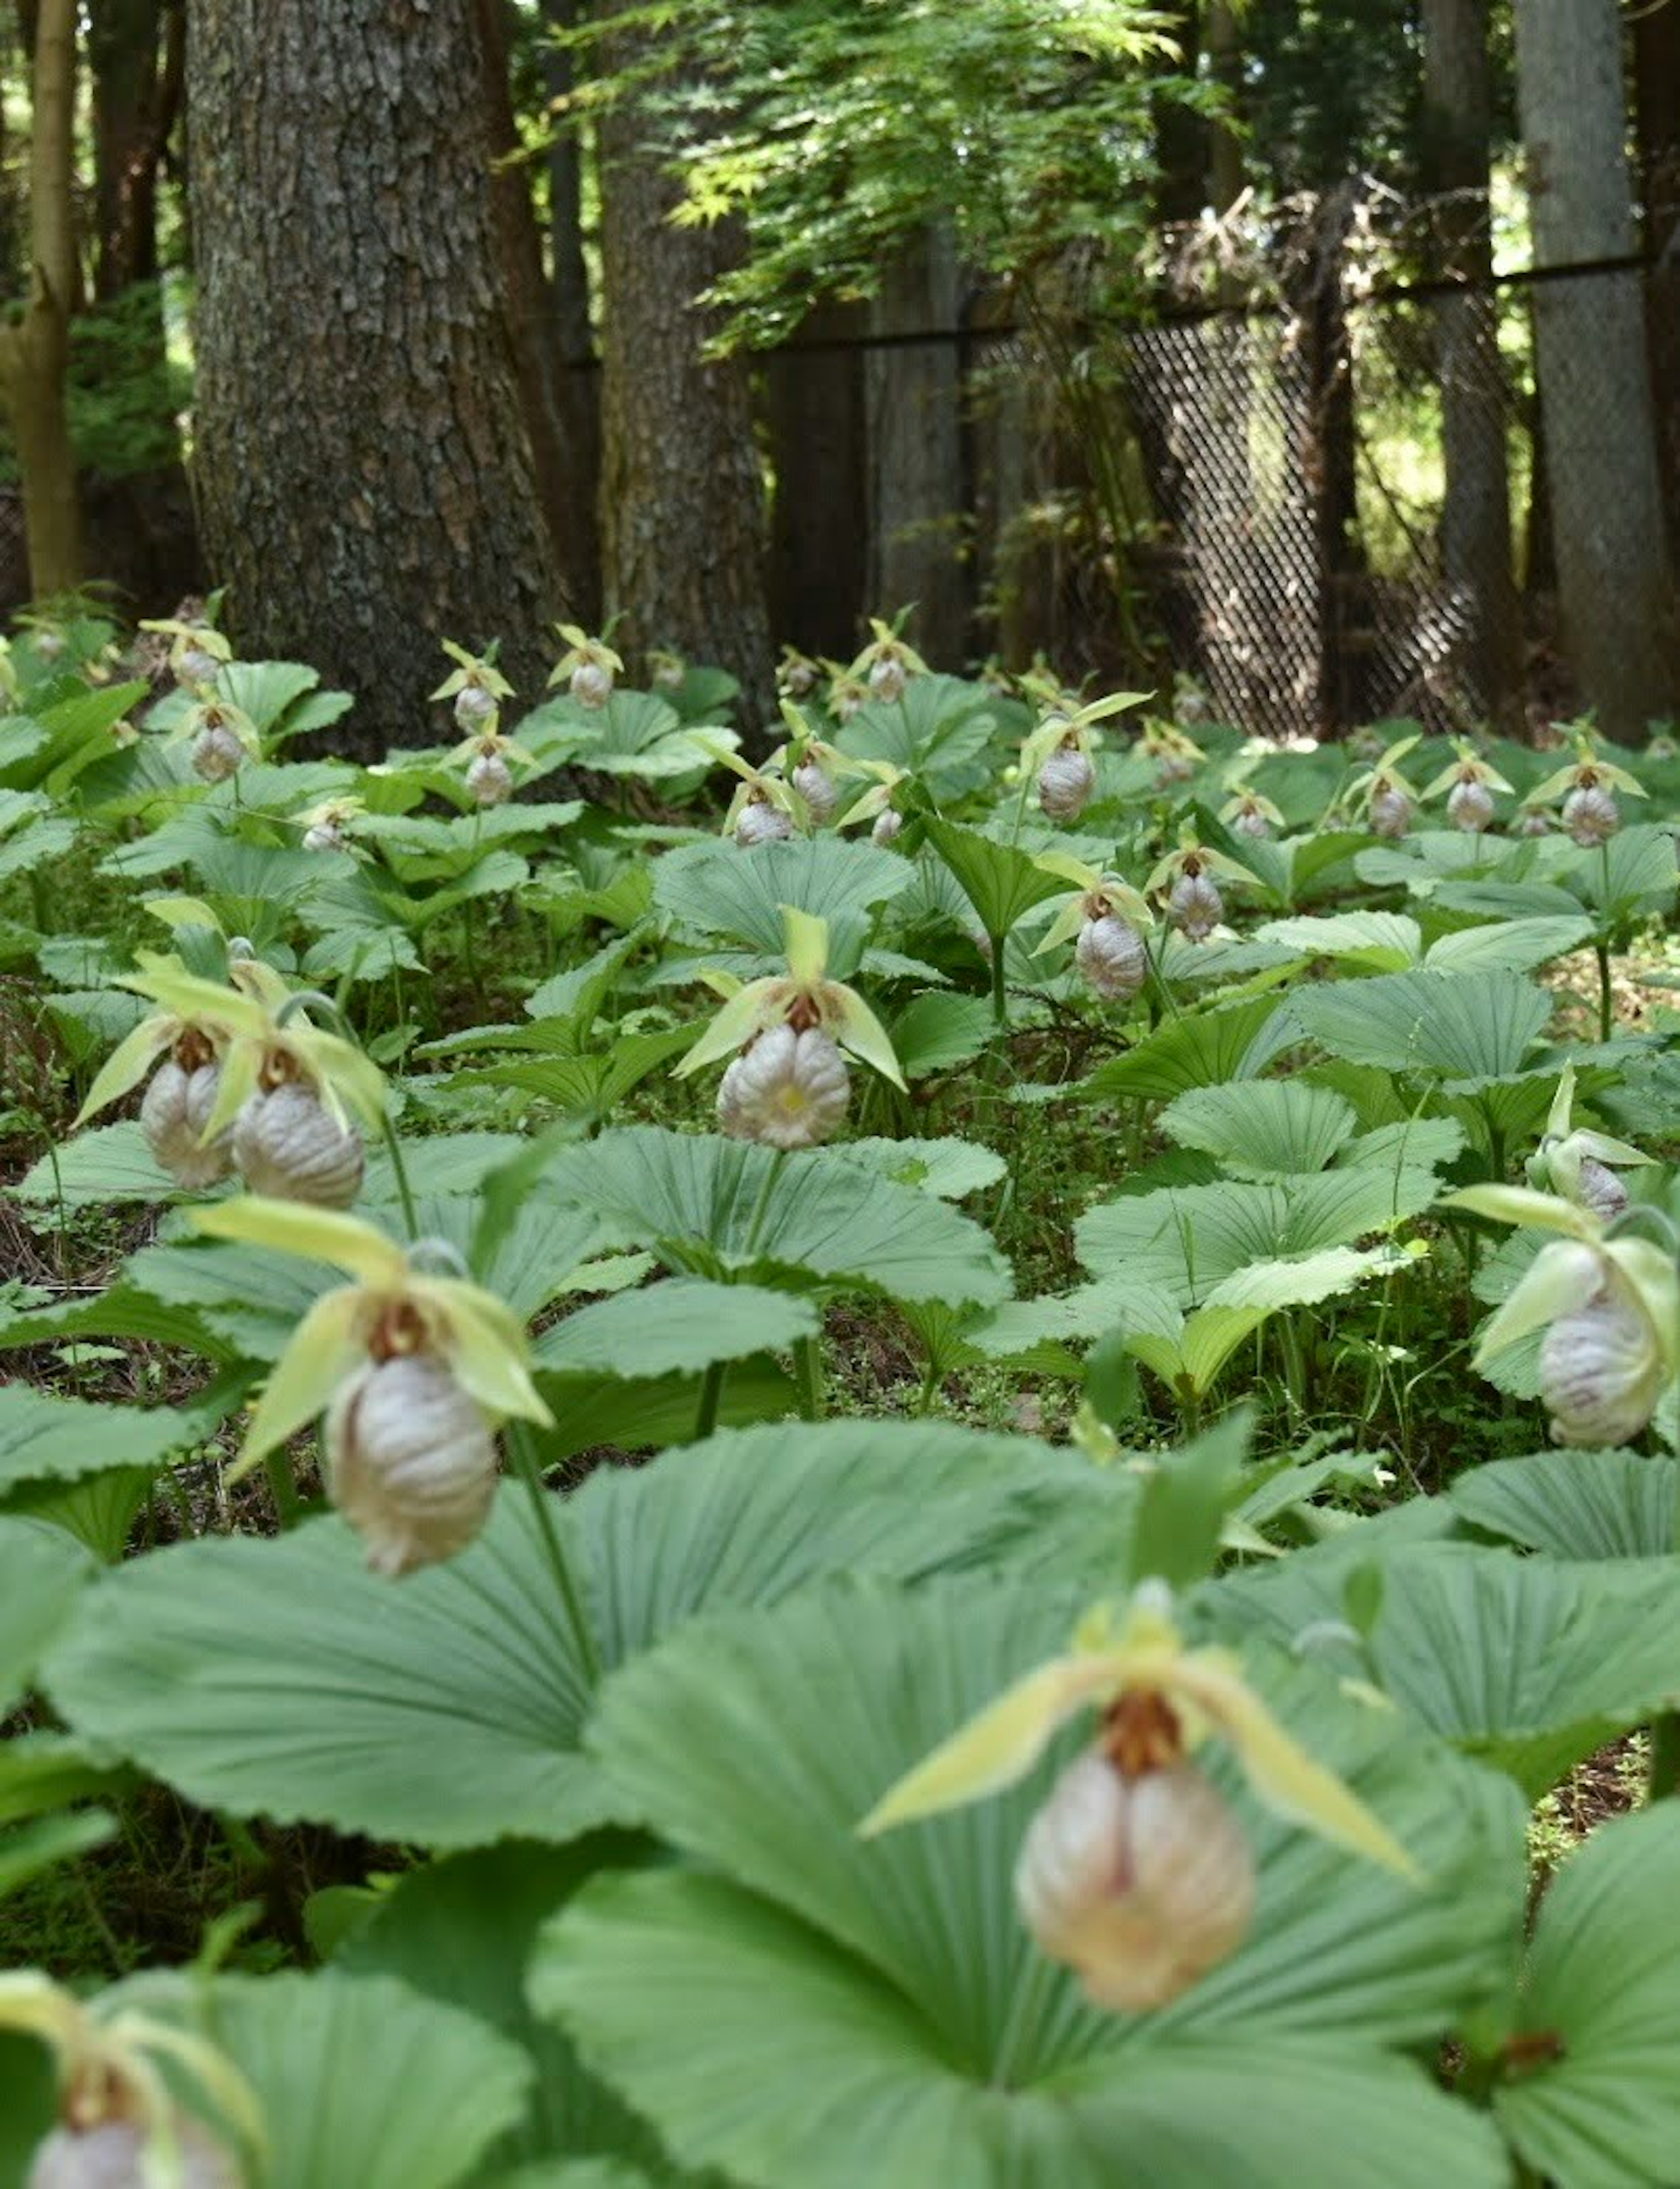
1327,507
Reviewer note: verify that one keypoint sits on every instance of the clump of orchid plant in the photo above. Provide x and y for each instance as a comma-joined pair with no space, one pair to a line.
327,826
223,737
1108,919
1608,1300
1187,882
1388,799
1578,1165
1586,788
1057,756
413,1371
1468,785
477,688
765,808
796,675
247,1082
1136,1873
198,653
587,668
1247,813
788,1086
887,663
876,805
811,767
120,2122
1175,757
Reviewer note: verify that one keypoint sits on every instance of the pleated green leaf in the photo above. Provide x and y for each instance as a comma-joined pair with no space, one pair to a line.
684,1323
1002,882
1575,1504
1235,1041
41,1575
707,1206
713,891
1263,1128
278,1677
1600,2007
875,2009
1459,1027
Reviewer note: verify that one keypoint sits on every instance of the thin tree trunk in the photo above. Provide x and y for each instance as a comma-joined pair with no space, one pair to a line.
1656,80
578,373
34,350
1476,532
682,491
1590,345
137,53
365,478
917,496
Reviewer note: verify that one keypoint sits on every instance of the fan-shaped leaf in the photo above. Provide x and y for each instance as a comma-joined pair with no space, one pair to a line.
1575,1504
1456,1026
710,1205
1600,2012
42,1573
1237,1041
715,888
1263,1128
684,1323
280,1678
1002,882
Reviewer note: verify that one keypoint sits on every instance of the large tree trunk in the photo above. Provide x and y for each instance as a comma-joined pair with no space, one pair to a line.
682,512
365,477
1656,80
917,496
1590,339
1475,530
577,368
34,350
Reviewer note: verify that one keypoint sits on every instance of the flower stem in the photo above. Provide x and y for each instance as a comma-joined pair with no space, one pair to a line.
808,1365
393,1149
1606,1014
711,1398
560,1565
283,1485
1000,995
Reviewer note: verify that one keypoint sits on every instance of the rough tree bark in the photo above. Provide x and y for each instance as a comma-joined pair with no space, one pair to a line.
682,497
365,478
1475,530
1590,343
34,350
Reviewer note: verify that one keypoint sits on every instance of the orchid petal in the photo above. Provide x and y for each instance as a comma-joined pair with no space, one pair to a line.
748,1012
128,1064
1521,1204
322,1352
322,1235
862,1033
1000,1745
1564,1274
485,1346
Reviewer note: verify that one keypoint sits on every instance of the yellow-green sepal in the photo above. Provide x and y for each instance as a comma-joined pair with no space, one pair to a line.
485,1346
805,939
1521,1204
748,1011
128,1064
859,1030
999,1745
321,1235
1564,1275
323,1350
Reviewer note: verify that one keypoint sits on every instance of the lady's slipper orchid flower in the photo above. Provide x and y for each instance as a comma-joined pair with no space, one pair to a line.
1135,1872
1609,1306
1468,786
1104,920
414,1372
476,686
586,667
1580,1165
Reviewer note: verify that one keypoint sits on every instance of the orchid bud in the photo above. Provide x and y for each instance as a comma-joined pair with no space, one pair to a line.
887,823
1391,812
1470,805
816,786
887,679
1591,815
591,684
413,1463
217,752
1195,906
114,2155
173,1113
288,1144
1139,1883
786,1090
759,822
1602,1370
490,780
1066,782
474,706
1111,956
